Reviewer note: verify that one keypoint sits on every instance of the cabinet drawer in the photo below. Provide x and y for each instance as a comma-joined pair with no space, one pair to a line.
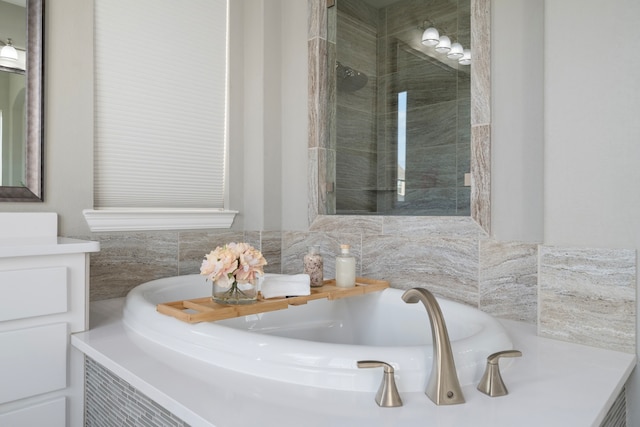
33,292
52,413
33,361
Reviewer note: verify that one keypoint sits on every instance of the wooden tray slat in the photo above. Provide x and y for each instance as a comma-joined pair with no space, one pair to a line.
206,310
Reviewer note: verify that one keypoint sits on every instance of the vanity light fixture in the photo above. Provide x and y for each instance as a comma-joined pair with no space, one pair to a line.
466,57
8,51
430,36
444,45
456,51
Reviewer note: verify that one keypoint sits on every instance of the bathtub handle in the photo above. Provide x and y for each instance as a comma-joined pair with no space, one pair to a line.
491,383
387,396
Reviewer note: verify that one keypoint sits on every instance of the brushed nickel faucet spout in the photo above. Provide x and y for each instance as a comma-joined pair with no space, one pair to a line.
443,387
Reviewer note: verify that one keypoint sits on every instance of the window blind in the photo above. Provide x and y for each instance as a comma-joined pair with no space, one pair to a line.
160,103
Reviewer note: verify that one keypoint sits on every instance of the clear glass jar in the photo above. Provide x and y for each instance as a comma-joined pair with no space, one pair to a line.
235,293
314,266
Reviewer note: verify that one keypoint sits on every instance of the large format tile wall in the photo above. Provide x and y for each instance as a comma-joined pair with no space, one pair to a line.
111,401
355,138
437,111
579,295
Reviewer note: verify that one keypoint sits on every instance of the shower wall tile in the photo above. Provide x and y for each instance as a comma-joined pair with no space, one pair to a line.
463,34
463,201
431,125
358,202
356,133
360,10
588,296
332,22
508,280
355,98
442,13
426,81
463,158
464,108
355,169
357,44
431,167
356,160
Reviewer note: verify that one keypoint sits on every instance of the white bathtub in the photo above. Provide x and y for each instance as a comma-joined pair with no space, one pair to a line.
318,344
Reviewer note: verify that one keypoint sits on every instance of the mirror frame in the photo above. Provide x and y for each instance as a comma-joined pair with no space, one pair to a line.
320,156
33,189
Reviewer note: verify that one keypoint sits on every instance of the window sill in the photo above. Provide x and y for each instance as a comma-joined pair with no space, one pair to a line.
138,219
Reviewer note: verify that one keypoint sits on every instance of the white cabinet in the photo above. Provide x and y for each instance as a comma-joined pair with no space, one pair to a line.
43,299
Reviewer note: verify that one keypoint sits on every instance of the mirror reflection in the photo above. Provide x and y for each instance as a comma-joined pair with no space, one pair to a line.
399,108
21,100
13,21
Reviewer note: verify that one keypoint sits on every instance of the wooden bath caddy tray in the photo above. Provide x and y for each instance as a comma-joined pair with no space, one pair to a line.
205,310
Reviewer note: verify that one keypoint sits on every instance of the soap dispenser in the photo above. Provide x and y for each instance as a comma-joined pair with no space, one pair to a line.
345,268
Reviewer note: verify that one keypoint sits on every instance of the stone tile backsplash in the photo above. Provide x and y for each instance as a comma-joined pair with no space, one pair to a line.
508,280
588,296
579,295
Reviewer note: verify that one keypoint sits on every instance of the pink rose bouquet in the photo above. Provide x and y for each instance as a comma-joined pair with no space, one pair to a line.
233,263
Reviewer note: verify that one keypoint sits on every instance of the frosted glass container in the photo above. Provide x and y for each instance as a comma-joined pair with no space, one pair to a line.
345,268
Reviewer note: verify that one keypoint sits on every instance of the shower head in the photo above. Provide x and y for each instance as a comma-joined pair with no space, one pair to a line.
348,79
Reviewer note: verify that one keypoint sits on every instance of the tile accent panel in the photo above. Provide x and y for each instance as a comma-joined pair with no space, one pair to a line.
617,414
111,401
588,296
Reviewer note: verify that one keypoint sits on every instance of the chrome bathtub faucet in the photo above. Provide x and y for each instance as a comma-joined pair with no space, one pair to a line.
443,387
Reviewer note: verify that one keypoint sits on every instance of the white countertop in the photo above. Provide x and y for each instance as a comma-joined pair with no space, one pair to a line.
37,246
553,384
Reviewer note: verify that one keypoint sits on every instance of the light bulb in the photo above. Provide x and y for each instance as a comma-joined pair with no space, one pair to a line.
456,51
444,45
9,52
430,37
466,57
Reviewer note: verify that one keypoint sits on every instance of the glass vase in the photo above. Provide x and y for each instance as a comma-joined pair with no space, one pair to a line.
237,293
313,266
